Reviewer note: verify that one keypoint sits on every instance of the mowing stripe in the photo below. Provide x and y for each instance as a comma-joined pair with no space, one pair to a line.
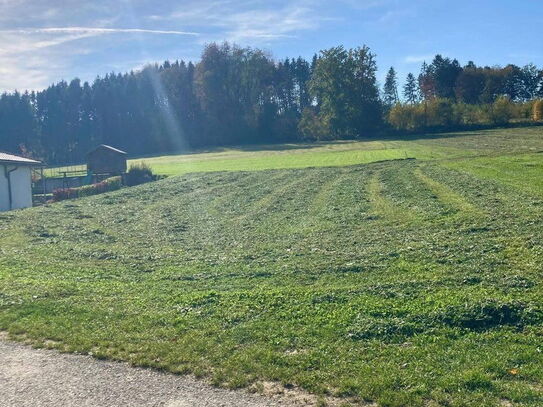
325,194
447,196
233,199
383,207
264,204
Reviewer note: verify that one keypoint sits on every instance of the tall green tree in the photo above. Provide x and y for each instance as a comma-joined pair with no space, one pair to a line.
411,91
530,82
470,84
390,89
345,85
426,81
445,73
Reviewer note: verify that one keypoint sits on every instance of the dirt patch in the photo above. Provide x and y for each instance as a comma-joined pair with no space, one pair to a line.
47,378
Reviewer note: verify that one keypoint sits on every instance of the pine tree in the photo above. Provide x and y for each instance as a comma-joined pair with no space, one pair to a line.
390,90
411,91
426,82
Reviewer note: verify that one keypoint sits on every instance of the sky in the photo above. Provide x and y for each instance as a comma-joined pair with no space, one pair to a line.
45,41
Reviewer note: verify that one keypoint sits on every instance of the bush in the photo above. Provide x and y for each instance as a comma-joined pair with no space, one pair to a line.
445,114
139,174
62,194
109,184
401,117
312,127
537,110
501,111
465,114
440,113
524,110
407,117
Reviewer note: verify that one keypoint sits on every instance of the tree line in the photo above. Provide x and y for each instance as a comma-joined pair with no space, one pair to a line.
446,94
235,95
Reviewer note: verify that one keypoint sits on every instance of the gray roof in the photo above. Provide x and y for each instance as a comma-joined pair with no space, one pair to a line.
106,147
6,158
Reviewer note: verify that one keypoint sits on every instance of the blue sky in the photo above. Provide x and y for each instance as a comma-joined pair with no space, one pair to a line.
45,41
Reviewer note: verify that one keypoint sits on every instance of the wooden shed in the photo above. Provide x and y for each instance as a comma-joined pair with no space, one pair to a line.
106,160
15,181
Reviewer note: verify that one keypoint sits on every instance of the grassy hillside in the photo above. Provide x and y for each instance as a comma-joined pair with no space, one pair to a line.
413,282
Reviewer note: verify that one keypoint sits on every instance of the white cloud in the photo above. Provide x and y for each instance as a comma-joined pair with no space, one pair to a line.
416,59
32,58
29,62
40,42
89,31
227,19
365,4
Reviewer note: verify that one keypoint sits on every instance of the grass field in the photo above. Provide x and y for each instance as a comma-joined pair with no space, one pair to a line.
344,153
341,153
404,283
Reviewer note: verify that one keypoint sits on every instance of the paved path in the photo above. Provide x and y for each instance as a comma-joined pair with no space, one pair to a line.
43,378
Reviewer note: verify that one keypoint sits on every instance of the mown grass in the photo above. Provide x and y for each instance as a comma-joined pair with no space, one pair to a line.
440,146
406,283
522,171
341,153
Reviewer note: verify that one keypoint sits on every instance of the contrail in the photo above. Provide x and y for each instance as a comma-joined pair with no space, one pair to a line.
95,30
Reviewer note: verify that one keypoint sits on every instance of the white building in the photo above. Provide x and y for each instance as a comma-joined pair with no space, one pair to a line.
15,181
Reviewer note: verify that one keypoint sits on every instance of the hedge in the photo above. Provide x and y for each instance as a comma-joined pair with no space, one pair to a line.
109,184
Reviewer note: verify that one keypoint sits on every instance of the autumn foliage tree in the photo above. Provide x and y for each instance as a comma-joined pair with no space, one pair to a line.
538,110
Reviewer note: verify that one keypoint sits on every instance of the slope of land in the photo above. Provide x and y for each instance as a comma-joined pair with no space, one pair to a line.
412,282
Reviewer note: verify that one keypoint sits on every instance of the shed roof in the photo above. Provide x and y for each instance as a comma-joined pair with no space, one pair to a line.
106,147
6,158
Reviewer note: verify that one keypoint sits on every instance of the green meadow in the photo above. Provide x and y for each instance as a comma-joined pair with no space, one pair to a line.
342,269
343,153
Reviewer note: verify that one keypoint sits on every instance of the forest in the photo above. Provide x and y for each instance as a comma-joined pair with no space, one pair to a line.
238,95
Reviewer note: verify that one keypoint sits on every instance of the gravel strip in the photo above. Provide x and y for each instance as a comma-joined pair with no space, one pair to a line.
43,378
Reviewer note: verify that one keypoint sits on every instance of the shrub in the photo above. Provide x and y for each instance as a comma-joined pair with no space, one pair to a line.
537,110
62,194
444,113
501,111
465,114
401,117
139,174
313,127
524,110
440,113
407,117
109,184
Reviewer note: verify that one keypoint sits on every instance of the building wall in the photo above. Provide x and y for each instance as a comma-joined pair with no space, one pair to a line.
103,161
21,188
4,200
